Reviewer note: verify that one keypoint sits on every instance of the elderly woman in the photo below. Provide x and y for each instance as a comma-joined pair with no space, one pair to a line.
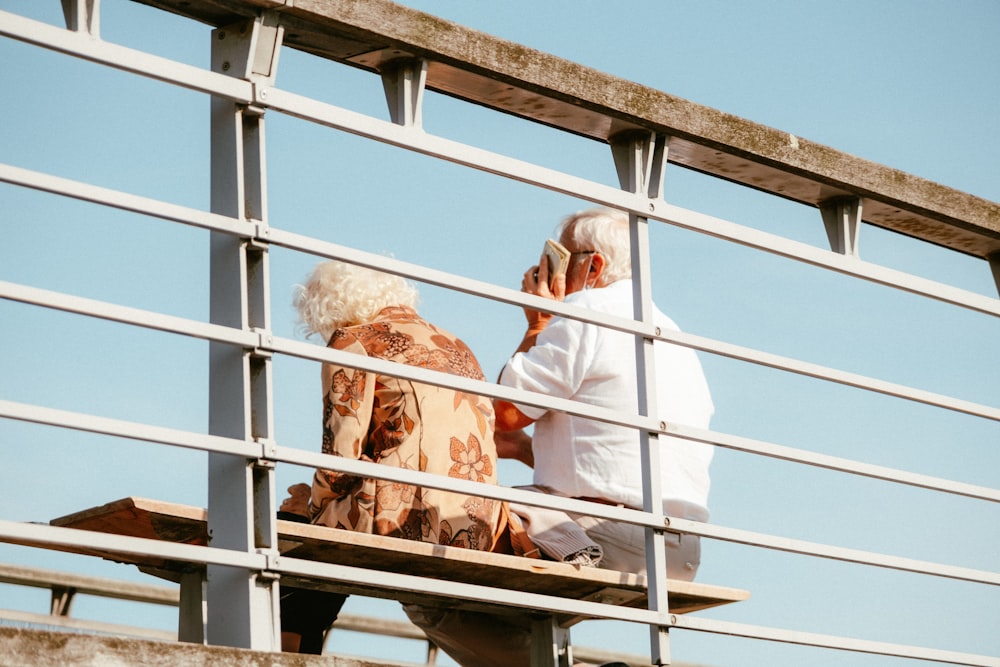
388,420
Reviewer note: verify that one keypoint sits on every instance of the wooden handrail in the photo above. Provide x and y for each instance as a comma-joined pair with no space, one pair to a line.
492,72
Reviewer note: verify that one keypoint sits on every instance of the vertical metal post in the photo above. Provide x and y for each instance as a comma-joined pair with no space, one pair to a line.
191,607
83,16
403,81
242,605
641,158
842,219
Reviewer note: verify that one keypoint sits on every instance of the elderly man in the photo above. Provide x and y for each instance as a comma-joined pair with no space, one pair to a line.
582,458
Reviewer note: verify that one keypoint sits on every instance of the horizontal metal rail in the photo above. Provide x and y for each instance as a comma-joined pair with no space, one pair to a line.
255,340
266,561
851,466
836,376
269,451
444,279
68,537
99,586
830,552
831,641
170,595
161,322
317,353
146,319
264,234
124,201
82,45
79,421
304,244
35,534
413,138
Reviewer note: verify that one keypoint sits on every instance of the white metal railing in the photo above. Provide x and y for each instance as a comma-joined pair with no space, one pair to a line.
240,227
65,587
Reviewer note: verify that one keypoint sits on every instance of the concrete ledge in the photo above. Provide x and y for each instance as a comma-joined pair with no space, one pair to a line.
42,648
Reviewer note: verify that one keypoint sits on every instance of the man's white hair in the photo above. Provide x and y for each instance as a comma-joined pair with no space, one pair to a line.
606,231
338,294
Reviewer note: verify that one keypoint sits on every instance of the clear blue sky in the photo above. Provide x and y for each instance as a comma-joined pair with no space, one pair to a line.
912,84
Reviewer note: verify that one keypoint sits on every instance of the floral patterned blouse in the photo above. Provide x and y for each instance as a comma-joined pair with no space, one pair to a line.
397,422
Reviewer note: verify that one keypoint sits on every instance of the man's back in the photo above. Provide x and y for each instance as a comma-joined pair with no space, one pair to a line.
580,457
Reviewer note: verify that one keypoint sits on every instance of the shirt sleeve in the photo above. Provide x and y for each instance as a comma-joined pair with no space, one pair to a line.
554,366
348,400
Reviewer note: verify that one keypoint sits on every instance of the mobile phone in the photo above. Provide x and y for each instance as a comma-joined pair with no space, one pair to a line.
558,257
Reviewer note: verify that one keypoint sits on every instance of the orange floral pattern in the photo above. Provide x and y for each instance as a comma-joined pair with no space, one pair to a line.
388,420
469,461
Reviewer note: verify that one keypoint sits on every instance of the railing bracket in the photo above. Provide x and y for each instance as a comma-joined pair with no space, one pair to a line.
82,16
641,159
842,219
404,80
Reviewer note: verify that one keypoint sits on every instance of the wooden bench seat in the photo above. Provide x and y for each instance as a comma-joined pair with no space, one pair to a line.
140,517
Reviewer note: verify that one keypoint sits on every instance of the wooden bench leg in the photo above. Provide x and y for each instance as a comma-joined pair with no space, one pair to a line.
550,646
191,611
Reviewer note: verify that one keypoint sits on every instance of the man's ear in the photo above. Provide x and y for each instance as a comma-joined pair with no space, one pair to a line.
597,265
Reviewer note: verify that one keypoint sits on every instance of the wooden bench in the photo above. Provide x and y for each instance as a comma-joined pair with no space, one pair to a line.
140,517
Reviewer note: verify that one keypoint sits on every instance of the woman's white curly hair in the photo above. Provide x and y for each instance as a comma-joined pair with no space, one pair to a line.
338,294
